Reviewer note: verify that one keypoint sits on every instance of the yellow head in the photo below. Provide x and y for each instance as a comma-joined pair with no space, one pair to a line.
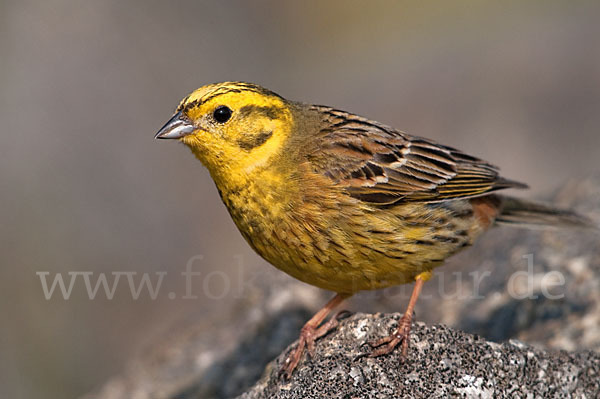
231,127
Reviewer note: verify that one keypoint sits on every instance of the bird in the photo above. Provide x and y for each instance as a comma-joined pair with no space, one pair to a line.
342,202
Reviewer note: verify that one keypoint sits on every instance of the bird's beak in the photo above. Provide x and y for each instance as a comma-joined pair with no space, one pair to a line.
177,127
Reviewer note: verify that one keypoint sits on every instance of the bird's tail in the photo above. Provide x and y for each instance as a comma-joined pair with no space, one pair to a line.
521,213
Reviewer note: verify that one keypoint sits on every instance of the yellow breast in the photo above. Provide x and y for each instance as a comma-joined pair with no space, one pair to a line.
307,227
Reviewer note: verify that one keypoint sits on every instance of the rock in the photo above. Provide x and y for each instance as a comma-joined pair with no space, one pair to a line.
441,363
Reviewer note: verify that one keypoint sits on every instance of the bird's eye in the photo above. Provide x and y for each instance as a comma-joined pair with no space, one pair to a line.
222,114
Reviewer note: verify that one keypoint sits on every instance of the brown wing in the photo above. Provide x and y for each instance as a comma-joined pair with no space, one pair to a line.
380,165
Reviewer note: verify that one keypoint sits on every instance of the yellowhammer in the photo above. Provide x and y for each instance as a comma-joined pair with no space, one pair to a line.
342,202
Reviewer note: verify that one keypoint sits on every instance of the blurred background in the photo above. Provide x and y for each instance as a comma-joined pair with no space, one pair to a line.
85,188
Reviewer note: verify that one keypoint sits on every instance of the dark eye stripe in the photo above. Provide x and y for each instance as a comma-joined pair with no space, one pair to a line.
249,142
269,112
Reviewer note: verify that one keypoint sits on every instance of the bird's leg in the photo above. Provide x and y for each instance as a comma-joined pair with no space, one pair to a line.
401,335
311,331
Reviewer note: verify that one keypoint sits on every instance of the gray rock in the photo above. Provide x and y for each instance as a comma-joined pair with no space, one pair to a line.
441,363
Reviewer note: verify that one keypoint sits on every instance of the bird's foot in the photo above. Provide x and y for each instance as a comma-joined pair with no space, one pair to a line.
387,344
308,335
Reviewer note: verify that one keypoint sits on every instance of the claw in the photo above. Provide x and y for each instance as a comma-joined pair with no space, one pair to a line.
310,348
386,345
342,314
381,341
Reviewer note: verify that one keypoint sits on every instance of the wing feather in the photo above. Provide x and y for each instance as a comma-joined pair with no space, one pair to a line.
380,165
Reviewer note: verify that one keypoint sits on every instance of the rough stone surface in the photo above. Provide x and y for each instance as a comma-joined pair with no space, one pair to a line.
441,363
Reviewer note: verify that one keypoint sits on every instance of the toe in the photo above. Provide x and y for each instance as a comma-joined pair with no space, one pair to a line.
380,341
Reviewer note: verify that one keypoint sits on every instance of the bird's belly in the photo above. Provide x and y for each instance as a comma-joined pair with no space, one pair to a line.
374,251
